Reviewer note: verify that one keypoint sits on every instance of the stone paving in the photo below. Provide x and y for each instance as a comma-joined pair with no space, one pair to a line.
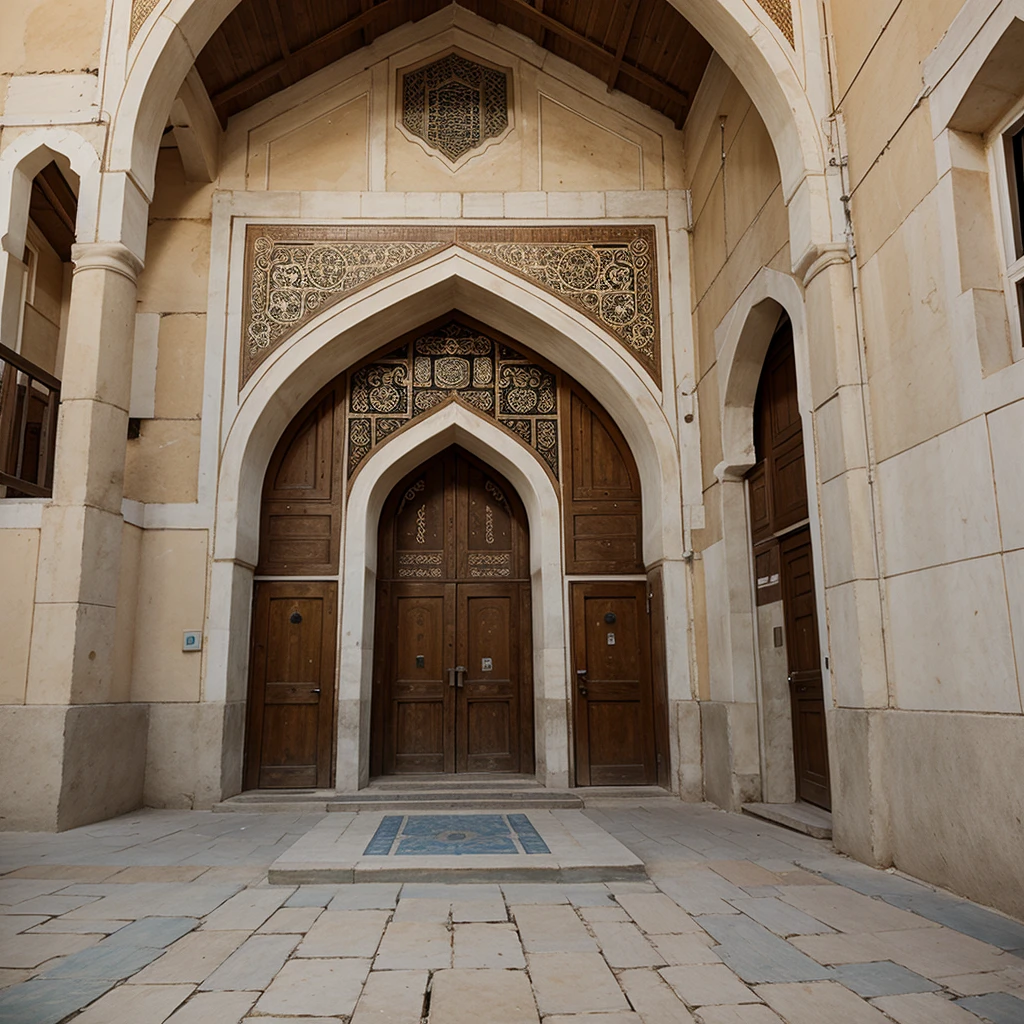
168,916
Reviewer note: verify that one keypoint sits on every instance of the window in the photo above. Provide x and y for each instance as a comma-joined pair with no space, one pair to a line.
1012,208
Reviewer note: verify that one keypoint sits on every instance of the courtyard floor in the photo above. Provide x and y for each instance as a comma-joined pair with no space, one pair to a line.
168,916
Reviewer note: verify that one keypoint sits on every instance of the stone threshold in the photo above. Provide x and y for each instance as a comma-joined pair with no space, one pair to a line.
334,852
800,817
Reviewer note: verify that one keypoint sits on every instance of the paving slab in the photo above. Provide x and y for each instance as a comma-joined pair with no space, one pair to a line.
686,949
625,1017
14,976
652,997
214,1008
158,873
42,1001
315,896
191,959
12,924
471,997
480,911
657,914
392,997
966,918
842,948
62,926
246,910
881,979
414,945
136,1004
253,965
552,929
745,1013
154,932
290,920
938,952
849,911
997,1007
572,848
487,946
574,983
103,962
707,985
923,1008
780,917
414,909
819,1001
315,988
756,954
24,951
366,896
355,933
624,945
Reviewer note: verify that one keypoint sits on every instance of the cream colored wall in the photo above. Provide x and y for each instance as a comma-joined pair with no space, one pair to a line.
19,553
739,226
339,131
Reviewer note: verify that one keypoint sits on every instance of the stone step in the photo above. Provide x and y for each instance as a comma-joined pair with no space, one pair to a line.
800,817
437,799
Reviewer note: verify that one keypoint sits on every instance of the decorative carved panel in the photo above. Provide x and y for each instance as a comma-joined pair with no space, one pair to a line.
294,272
458,360
455,104
781,12
141,10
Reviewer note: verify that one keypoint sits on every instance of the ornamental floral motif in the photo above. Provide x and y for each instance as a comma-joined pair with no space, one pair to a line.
295,272
453,360
455,105
613,282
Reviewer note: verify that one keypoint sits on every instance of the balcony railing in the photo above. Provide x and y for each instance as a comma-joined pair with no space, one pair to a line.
29,398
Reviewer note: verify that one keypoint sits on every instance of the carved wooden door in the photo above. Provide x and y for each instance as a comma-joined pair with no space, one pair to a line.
291,707
613,702
810,748
452,676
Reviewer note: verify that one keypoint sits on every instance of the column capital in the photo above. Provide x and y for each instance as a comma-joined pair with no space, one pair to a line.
112,256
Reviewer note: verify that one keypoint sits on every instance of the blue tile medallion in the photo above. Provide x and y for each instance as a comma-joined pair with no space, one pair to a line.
453,835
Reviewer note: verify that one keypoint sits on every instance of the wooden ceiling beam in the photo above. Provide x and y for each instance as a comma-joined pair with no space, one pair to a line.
556,27
632,9
282,39
343,31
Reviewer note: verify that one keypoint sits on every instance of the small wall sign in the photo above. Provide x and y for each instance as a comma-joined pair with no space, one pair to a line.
192,640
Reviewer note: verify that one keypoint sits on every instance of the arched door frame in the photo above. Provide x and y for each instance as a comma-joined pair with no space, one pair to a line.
742,343
453,423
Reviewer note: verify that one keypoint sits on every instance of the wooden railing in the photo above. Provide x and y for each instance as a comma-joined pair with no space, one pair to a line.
29,398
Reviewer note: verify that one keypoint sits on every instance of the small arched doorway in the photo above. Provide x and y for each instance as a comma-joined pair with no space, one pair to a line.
452,688
784,565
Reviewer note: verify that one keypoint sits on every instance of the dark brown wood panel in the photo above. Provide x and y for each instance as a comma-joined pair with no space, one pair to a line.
645,48
300,519
291,695
805,681
659,672
613,701
783,563
603,508
453,677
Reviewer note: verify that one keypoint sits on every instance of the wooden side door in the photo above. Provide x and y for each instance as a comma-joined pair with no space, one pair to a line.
613,702
291,701
488,713
810,748
419,731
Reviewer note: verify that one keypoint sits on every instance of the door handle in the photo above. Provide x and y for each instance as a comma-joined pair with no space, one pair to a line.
581,681
455,676
314,691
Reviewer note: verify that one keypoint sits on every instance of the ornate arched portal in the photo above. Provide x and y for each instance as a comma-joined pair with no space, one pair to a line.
346,457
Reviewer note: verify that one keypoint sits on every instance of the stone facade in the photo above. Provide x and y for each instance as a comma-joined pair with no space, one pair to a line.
861,191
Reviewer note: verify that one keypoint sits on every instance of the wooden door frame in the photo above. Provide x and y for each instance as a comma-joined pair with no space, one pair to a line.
578,592
327,730
385,596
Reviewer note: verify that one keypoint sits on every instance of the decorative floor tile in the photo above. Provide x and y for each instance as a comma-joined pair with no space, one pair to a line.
455,835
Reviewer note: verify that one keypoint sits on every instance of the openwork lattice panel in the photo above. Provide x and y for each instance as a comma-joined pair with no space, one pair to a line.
607,273
455,105
781,12
453,360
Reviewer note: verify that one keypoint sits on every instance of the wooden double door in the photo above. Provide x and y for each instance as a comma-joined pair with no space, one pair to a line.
452,676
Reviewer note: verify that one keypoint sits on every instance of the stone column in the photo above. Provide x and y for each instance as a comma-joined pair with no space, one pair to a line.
99,744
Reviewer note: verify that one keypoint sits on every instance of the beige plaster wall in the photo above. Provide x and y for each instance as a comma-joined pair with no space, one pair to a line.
171,599
19,554
47,36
